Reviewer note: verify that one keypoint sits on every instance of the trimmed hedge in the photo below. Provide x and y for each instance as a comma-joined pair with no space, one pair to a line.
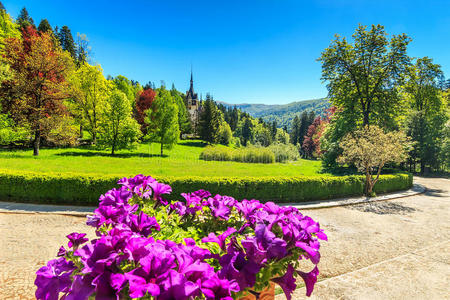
68,188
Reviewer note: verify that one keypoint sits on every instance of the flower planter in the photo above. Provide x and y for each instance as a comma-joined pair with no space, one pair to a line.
267,294
212,247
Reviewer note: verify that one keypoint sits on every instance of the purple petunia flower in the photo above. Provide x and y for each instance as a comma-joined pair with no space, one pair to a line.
53,279
287,282
310,279
220,240
76,239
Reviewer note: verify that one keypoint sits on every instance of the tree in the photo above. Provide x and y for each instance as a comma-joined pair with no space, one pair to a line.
184,120
365,76
282,137
144,101
370,149
162,118
91,91
124,85
426,116
118,130
225,134
83,50
209,122
44,26
38,84
24,19
247,133
65,39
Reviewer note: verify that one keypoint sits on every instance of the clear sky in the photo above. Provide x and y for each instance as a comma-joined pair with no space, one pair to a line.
241,51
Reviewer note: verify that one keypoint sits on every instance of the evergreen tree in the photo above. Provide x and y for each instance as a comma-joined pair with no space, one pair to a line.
247,133
2,7
209,122
44,26
274,129
24,19
66,40
295,132
83,49
162,118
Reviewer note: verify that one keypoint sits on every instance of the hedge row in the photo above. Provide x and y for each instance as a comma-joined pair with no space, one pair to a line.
85,189
245,154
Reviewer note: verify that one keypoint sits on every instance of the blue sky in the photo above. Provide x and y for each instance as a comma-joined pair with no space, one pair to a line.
241,51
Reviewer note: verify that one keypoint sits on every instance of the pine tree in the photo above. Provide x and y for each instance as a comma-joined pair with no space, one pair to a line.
247,133
24,20
44,26
2,7
295,132
209,122
66,40
274,129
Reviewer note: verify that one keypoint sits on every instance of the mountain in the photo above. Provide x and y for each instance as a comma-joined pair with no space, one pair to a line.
284,113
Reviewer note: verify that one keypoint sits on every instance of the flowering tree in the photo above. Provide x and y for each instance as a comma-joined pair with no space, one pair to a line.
202,246
370,149
38,85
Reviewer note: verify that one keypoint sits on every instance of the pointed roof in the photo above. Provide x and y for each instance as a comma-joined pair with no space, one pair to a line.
190,94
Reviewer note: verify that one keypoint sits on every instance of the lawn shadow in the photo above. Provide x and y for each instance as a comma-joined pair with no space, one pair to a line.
199,144
103,154
383,208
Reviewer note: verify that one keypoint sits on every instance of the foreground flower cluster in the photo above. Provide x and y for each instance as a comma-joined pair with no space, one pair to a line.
199,247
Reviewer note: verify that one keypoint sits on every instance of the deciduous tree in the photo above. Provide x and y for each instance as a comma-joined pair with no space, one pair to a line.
162,118
144,101
118,130
38,84
369,149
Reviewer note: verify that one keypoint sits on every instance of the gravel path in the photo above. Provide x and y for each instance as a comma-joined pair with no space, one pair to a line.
397,249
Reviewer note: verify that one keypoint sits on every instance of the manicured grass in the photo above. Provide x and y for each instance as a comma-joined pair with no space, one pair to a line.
182,160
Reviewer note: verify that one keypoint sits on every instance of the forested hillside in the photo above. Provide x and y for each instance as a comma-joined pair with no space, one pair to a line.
285,113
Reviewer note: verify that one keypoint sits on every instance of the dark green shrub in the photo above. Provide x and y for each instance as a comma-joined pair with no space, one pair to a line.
86,189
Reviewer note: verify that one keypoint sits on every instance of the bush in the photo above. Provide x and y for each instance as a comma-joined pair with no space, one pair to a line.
284,152
85,189
247,154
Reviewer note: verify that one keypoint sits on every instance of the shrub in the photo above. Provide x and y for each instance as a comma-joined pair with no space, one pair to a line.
82,189
284,152
246,154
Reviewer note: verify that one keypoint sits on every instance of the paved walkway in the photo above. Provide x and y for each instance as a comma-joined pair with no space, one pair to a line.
395,249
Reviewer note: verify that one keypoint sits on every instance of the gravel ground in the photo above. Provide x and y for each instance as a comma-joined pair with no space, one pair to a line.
397,249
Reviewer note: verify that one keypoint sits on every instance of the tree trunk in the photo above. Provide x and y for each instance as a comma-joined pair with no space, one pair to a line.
368,187
37,142
422,167
162,149
81,131
94,137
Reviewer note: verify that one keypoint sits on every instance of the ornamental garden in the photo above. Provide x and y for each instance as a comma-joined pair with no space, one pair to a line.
193,229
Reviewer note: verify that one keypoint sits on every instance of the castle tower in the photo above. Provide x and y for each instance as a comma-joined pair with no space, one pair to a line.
193,104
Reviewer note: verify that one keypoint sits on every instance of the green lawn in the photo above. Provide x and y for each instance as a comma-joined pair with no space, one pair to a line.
182,160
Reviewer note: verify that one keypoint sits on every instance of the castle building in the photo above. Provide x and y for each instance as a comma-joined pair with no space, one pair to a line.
193,104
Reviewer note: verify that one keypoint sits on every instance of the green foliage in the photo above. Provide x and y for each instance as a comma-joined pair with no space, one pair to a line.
44,26
66,41
225,134
90,91
124,85
426,113
210,120
184,121
24,19
284,152
162,118
118,130
365,76
370,149
9,133
71,188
